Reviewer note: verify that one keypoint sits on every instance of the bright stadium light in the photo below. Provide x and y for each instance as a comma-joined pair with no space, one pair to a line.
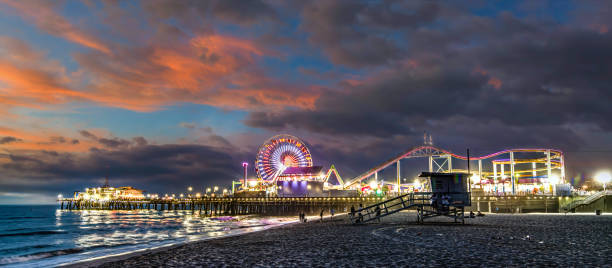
604,178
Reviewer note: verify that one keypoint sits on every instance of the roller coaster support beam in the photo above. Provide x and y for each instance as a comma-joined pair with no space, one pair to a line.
430,163
562,160
512,175
450,163
495,173
398,177
480,169
503,174
548,168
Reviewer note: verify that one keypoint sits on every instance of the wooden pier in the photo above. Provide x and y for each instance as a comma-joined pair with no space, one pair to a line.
277,206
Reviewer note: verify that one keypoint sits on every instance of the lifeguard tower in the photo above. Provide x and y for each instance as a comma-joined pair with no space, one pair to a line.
448,196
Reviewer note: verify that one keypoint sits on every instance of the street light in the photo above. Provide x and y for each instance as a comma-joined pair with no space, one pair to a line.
189,188
208,190
603,177
216,189
59,196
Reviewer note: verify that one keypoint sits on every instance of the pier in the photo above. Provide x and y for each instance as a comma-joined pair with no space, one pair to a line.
277,206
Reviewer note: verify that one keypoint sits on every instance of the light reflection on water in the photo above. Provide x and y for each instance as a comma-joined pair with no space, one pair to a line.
60,236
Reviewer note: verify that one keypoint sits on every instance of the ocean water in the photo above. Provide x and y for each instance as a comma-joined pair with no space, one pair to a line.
43,236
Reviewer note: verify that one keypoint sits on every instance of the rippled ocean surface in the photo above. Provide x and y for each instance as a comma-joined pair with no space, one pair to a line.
42,236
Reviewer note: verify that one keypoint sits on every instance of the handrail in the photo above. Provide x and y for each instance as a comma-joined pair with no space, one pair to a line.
585,201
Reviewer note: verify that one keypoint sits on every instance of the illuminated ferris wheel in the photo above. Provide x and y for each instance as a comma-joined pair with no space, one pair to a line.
279,153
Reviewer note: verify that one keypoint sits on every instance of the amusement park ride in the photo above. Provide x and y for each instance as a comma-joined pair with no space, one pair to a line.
284,166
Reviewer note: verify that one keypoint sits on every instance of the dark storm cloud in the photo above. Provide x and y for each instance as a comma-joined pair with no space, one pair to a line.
156,168
114,142
190,12
140,141
355,33
88,134
521,72
9,139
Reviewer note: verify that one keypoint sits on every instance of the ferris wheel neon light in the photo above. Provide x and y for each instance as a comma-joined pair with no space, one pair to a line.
280,152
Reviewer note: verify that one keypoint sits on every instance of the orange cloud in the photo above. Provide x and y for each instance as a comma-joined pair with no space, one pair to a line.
210,69
214,70
495,82
45,17
43,139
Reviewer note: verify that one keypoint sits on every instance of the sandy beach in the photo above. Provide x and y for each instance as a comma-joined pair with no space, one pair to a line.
493,240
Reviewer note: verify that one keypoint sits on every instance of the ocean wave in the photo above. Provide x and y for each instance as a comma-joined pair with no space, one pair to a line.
34,233
23,217
25,248
39,255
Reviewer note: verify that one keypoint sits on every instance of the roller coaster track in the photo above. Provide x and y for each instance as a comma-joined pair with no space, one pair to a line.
556,159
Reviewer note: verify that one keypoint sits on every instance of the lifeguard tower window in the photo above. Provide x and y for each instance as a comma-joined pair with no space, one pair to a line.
453,184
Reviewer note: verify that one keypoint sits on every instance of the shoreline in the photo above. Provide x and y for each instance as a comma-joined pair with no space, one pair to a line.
98,261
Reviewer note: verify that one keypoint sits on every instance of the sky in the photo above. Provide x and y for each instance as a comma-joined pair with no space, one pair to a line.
163,94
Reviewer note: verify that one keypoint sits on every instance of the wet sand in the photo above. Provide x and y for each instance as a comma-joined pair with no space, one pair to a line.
494,240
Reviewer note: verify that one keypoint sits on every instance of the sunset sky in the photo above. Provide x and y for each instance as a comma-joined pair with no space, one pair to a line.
165,94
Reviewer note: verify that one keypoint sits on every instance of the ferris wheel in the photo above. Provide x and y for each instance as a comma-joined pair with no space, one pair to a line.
279,153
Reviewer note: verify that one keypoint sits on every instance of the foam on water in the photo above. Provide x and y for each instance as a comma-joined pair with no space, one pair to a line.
36,236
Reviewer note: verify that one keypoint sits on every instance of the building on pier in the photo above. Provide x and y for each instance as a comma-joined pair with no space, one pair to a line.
107,192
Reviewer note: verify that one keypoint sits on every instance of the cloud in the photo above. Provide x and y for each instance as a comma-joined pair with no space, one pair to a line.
188,125
189,12
88,134
202,67
155,168
113,142
214,70
359,34
9,139
45,16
